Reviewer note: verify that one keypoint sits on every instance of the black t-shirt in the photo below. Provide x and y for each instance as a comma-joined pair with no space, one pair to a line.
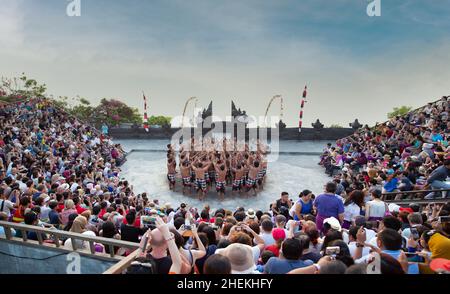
130,233
283,208
163,265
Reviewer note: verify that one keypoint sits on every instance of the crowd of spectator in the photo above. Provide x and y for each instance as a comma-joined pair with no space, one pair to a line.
57,172
406,153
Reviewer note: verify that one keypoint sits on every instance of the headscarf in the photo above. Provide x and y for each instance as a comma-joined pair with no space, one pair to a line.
439,246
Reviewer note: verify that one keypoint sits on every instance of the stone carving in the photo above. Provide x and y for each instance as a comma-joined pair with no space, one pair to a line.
208,112
317,125
355,125
281,125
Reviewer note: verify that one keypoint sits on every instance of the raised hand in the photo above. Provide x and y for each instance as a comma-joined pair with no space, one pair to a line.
361,235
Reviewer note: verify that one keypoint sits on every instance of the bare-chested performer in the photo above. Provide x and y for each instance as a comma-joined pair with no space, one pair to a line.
262,173
200,169
185,170
238,181
221,173
171,172
252,175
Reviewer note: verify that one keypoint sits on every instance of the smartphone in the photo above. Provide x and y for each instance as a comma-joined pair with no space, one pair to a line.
410,254
238,229
444,219
332,250
145,242
415,234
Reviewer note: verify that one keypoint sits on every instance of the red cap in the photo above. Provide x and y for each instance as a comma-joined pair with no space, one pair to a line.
440,264
278,234
407,209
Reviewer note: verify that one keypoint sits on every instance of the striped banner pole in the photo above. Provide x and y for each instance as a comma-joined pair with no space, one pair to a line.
145,113
302,105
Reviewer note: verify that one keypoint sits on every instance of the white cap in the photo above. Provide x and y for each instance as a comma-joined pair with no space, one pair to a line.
394,207
334,223
64,186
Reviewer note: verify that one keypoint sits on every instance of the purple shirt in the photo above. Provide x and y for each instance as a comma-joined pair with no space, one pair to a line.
329,205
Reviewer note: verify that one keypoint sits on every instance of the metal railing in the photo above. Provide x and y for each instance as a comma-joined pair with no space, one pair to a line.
57,235
387,196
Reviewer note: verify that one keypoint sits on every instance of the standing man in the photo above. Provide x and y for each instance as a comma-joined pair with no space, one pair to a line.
185,170
171,172
105,129
200,168
328,205
252,177
221,173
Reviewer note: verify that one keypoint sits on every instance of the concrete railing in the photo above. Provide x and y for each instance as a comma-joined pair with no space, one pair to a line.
57,235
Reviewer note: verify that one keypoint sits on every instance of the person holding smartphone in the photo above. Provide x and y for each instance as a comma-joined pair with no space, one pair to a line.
7,206
415,223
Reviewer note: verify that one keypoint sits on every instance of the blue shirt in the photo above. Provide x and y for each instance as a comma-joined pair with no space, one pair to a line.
413,269
306,208
329,205
277,265
436,137
53,217
105,129
391,185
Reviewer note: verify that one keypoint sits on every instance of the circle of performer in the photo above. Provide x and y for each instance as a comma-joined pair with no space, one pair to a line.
207,164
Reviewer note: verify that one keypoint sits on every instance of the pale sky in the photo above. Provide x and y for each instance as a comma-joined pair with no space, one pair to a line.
249,50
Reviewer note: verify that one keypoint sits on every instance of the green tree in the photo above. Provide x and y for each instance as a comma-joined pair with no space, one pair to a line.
114,112
21,88
399,111
163,121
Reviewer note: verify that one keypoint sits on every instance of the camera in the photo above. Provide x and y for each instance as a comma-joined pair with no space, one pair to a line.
332,251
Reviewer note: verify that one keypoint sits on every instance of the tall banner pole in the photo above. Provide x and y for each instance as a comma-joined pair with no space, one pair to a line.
145,113
302,106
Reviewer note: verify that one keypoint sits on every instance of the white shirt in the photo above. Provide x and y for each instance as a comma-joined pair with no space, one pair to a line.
352,248
370,234
44,212
7,206
268,239
73,187
351,211
376,208
22,186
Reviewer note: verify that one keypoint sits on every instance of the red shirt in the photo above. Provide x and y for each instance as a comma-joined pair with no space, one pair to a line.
60,207
102,213
137,222
203,220
274,249
79,209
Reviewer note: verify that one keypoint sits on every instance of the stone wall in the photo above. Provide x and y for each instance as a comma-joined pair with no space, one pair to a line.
28,259
307,134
